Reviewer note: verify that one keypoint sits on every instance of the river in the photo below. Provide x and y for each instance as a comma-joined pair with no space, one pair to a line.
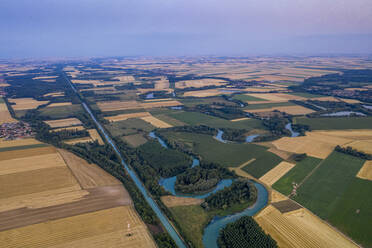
163,219
212,230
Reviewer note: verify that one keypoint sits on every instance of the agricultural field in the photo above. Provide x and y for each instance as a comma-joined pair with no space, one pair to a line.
199,83
229,155
336,123
292,110
61,112
5,116
45,190
94,135
366,171
156,122
25,103
341,198
276,173
124,105
262,164
122,117
63,122
295,175
135,140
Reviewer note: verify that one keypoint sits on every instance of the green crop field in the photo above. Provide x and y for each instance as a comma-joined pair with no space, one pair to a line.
296,174
335,194
190,102
226,154
246,98
328,123
268,105
61,111
192,220
195,118
128,127
262,164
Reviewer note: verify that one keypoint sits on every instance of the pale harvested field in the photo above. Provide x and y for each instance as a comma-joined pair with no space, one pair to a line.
314,144
29,163
199,83
283,154
105,228
63,122
122,117
5,116
174,201
95,136
60,104
30,152
263,90
358,134
156,122
238,170
300,228
361,145
88,175
351,101
68,128
135,140
41,199
158,100
289,97
276,173
45,77
78,140
275,196
240,119
125,79
270,97
326,99
163,83
25,103
34,181
18,142
4,84
366,171
122,105
292,110
55,94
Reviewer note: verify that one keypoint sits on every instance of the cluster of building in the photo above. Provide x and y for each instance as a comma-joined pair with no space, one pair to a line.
15,130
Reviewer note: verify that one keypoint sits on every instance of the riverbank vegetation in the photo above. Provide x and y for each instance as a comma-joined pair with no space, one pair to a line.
241,192
201,178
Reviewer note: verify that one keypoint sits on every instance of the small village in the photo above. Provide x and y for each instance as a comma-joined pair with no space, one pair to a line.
15,130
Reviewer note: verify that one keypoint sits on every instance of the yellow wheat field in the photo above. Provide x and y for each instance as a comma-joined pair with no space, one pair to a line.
5,116
34,181
156,122
18,142
275,196
122,105
57,104
361,145
29,163
55,94
68,128
199,83
104,228
122,117
63,122
313,144
276,173
43,198
351,101
240,119
292,110
29,152
300,228
25,103
125,79
45,77
270,97
163,83
366,171
358,134
95,136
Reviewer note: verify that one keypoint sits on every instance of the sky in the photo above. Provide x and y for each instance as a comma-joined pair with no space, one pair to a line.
74,28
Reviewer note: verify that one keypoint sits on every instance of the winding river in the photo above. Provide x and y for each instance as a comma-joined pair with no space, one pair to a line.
212,230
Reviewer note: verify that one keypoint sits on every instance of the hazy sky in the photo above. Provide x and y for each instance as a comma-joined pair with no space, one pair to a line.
45,28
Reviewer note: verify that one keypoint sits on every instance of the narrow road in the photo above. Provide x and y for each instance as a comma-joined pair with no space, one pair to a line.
163,219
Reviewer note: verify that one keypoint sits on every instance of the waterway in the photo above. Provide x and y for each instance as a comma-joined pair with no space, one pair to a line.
212,231
344,113
163,219
293,133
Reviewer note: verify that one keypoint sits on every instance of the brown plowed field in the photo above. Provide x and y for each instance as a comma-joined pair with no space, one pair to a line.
26,153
